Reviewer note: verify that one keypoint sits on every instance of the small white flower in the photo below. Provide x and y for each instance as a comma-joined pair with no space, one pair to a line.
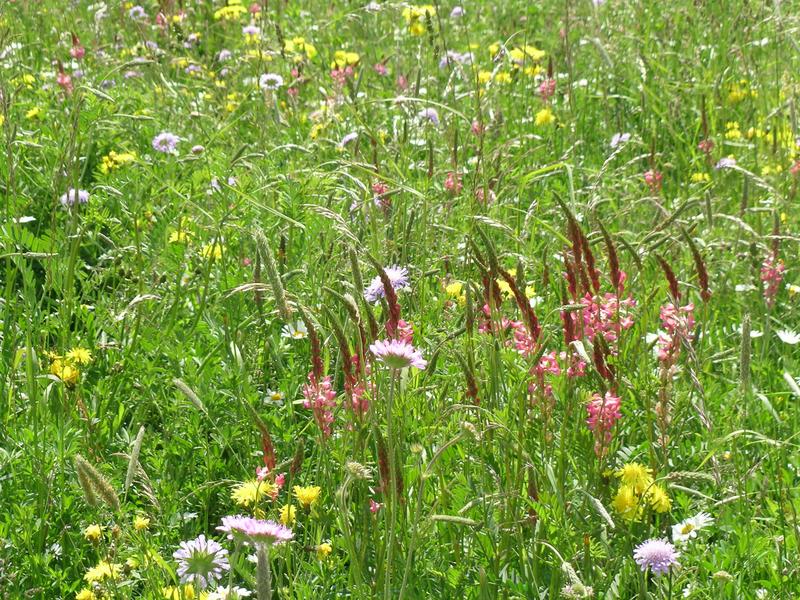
270,81
744,287
619,138
295,331
788,337
688,528
275,396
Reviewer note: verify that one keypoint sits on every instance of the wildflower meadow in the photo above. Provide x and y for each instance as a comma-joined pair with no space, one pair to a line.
473,300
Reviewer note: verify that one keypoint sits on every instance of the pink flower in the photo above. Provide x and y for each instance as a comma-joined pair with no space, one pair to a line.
255,531
321,399
653,179
772,271
603,414
380,69
547,88
453,183
374,507
657,555
397,354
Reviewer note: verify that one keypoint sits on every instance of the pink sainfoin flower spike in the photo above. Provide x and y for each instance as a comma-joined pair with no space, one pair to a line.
547,88
603,414
678,323
653,180
453,183
548,365
771,276
321,399
397,354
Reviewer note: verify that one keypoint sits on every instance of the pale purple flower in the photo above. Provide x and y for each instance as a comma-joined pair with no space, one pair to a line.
270,81
398,277
224,55
348,138
398,354
656,554
619,138
255,531
457,12
250,30
137,12
198,149
73,197
452,57
726,163
430,114
201,561
165,142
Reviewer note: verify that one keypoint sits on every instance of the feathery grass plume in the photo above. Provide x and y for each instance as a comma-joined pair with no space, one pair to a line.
600,351
531,321
744,357
190,395
267,447
700,267
533,495
86,485
97,481
359,283
357,470
351,306
674,290
344,347
776,233
469,375
275,281
613,258
317,368
297,459
133,463
469,309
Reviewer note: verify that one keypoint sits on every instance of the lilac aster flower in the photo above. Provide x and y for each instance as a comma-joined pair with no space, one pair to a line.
224,55
657,554
398,354
398,276
726,163
255,531
201,561
619,138
73,197
165,142
250,30
137,12
348,138
457,12
270,81
430,114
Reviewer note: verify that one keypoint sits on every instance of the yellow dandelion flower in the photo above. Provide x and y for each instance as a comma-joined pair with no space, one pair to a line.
104,570
307,495
545,117
503,77
288,514
141,523
636,476
700,177
324,550
85,594
185,592
626,503
79,355
212,251
64,371
250,493
659,499
34,113
93,533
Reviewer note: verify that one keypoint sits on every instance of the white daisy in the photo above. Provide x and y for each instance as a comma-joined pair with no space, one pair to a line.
688,528
295,331
788,337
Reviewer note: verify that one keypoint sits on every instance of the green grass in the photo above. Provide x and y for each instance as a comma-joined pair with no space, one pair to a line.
498,490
